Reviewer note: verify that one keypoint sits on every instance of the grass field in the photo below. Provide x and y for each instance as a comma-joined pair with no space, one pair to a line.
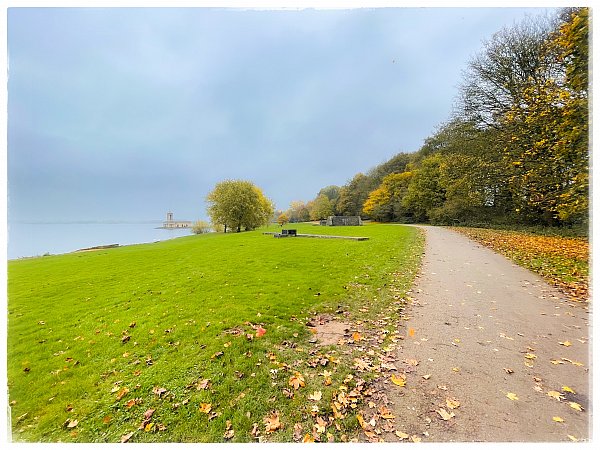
563,261
166,342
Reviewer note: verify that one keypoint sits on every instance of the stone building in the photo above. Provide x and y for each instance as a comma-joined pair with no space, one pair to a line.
343,221
170,223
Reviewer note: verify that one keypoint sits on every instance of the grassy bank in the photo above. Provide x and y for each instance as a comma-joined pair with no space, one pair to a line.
198,339
563,261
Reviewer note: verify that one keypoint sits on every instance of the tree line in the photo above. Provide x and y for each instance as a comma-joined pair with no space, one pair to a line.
515,150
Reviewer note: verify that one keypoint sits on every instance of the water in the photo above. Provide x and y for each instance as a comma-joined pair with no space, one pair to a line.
34,239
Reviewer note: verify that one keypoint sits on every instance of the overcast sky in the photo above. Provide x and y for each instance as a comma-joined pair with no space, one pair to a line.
123,114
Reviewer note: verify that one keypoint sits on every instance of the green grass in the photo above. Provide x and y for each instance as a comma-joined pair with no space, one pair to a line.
69,315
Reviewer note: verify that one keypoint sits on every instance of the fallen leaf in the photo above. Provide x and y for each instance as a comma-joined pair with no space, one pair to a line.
386,413
558,419
573,438
260,331
456,369
122,393
217,355
507,370
445,415
73,423
512,396
530,356
401,435
149,413
415,438
272,422
297,432
576,406
205,407
568,389
316,396
229,433
202,384
148,427
308,439
320,425
126,437
565,343
426,377
398,381
297,381
255,431
412,362
356,336
106,420
364,425
411,332
554,394
452,403
158,391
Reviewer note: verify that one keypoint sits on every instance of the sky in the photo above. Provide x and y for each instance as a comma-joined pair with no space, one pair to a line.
127,113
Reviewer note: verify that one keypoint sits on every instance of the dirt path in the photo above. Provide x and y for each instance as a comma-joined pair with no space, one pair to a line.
481,328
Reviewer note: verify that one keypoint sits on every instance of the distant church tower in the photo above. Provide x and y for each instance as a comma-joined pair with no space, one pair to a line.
169,217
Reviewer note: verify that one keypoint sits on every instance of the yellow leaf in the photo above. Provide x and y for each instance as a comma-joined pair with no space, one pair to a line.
452,403
297,380
411,332
445,415
356,336
565,343
456,369
554,394
568,389
308,438
415,438
398,381
149,427
401,435
316,396
573,438
122,393
576,406
558,419
272,422
530,356
205,407
512,396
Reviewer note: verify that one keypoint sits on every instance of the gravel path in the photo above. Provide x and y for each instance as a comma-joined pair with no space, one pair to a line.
481,328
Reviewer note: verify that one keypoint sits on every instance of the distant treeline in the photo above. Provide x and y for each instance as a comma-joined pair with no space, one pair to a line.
514,151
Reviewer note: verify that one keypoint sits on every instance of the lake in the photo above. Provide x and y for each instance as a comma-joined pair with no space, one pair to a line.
34,239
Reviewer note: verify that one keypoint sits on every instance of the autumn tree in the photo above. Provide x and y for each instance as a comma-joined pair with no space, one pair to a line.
385,203
321,208
282,219
298,212
238,204
497,77
546,134
425,193
354,194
